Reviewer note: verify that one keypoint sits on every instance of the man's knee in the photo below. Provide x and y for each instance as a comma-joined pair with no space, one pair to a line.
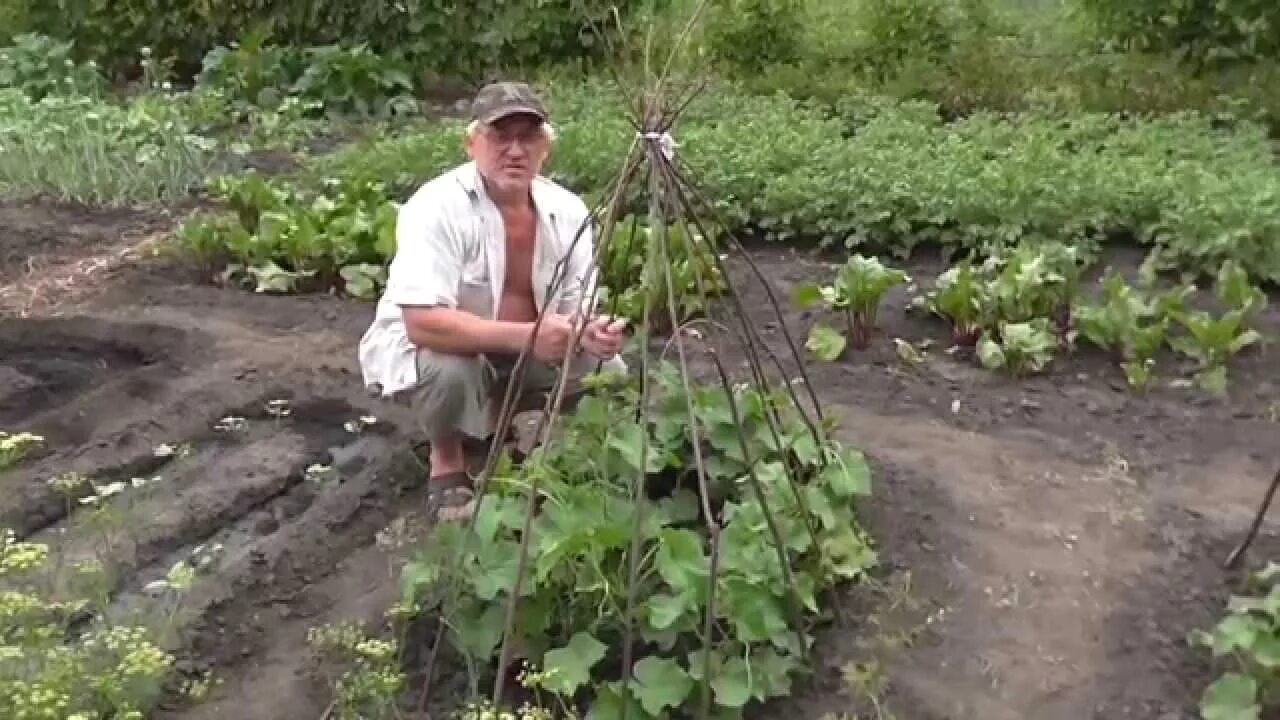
448,385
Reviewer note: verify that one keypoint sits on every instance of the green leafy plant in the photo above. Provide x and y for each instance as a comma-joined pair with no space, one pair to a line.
748,35
571,614
1224,32
894,31
467,39
40,65
1234,290
1212,339
962,296
858,290
998,306
1020,348
251,72
1030,282
357,80
633,276
825,342
1130,324
336,79
280,239
1249,638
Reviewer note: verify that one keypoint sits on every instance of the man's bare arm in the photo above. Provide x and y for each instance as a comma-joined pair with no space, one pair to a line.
458,332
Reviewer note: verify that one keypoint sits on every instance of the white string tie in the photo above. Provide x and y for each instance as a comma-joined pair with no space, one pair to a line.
664,139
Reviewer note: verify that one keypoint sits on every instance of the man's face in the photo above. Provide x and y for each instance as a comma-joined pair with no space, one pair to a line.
510,152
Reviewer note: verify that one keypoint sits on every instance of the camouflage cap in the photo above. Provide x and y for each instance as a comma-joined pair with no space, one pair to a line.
501,99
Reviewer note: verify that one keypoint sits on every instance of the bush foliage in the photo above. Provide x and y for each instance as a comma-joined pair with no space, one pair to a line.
1223,31
463,37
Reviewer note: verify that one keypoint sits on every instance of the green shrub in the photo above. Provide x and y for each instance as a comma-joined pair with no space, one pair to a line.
340,79
465,38
1222,31
39,65
750,35
989,55
893,30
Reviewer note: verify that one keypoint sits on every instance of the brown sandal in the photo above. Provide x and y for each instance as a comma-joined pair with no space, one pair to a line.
450,498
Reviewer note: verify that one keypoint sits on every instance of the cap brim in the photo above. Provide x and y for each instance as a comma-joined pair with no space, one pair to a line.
505,112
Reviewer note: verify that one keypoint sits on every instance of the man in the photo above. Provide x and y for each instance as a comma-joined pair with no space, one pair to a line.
476,250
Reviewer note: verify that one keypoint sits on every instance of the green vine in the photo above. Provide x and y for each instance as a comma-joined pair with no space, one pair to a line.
571,612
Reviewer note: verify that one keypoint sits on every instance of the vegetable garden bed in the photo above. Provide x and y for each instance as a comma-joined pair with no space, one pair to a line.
1044,544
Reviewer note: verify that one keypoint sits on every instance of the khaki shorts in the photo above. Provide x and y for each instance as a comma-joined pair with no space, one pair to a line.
454,392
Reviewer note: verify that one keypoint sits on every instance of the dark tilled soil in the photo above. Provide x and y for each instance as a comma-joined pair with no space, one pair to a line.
1062,534
1047,544
39,234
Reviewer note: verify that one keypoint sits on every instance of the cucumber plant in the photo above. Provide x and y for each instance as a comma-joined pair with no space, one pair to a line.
1248,638
592,524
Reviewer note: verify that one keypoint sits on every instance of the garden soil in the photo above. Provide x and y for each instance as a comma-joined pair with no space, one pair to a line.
1046,545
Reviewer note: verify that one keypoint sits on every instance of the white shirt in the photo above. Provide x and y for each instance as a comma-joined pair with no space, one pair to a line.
451,251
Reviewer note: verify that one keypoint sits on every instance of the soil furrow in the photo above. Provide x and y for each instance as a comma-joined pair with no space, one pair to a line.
248,620
140,525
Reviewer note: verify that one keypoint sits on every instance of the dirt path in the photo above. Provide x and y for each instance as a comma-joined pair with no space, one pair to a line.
1061,535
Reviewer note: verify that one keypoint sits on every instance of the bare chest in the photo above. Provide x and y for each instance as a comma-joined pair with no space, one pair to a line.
521,236
517,284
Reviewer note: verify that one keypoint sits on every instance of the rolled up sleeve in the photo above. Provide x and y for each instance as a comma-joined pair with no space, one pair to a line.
427,265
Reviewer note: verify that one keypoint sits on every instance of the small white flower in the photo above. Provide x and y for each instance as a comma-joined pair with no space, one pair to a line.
231,423
114,488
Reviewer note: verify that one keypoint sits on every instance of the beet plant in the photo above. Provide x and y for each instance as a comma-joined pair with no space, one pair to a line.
963,297
856,292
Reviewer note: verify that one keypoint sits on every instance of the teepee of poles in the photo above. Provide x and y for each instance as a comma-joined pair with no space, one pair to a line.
653,170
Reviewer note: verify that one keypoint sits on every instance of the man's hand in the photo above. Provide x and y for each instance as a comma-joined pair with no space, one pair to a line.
554,334
602,339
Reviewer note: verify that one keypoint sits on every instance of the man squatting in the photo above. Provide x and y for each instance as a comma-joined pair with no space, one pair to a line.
476,249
